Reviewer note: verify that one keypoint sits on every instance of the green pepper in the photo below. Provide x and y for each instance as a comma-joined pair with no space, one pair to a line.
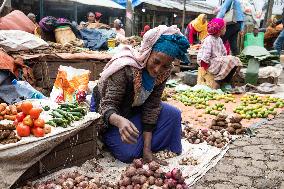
78,114
52,123
55,114
46,108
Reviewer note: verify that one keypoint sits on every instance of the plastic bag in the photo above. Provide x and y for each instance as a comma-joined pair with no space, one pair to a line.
16,40
71,85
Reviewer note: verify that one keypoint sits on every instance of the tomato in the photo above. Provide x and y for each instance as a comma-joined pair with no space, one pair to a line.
20,116
23,130
26,107
38,132
47,129
28,121
39,123
35,112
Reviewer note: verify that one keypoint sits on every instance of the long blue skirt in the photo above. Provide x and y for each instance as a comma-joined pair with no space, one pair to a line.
166,136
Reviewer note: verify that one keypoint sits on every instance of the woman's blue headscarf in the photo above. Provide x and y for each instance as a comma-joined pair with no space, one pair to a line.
173,45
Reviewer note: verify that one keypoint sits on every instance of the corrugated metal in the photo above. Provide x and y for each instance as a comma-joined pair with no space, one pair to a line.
102,3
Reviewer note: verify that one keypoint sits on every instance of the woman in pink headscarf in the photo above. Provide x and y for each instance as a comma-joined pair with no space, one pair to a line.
213,56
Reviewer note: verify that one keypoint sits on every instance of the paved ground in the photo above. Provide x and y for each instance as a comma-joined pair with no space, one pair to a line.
256,162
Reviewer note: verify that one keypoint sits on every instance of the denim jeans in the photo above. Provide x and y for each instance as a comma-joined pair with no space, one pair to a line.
279,42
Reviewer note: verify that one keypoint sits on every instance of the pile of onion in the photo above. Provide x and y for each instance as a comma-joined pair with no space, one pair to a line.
142,176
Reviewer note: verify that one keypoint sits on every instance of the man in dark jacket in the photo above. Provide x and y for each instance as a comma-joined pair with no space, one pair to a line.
280,39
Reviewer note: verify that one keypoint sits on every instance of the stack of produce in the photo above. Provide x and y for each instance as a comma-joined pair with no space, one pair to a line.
215,110
219,122
140,176
254,106
65,114
7,135
188,161
9,112
235,126
213,138
28,121
200,98
166,154
71,180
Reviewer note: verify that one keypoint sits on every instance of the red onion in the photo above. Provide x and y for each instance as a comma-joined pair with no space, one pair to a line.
176,174
149,173
179,186
168,175
184,186
151,180
138,163
131,171
137,186
154,166
165,186
172,183
159,182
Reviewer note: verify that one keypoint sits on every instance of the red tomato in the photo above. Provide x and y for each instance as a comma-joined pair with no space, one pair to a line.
23,130
39,123
35,112
28,121
26,107
20,116
38,132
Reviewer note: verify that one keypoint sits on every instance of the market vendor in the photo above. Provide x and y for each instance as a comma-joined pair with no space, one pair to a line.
120,33
213,56
94,21
128,96
197,29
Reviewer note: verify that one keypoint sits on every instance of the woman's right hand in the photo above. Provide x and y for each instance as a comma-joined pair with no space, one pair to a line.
128,132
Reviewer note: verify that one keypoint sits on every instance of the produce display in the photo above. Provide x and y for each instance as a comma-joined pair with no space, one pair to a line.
235,127
136,176
9,112
166,154
213,138
7,134
139,175
200,98
254,106
188,161
65,114
219,122
28,121
215,109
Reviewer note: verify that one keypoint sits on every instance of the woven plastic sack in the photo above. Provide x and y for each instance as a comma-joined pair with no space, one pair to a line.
17,20
71,85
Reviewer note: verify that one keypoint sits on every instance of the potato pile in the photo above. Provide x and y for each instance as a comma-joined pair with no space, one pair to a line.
235,126
71,180
219,122
142,176
7,135
213,138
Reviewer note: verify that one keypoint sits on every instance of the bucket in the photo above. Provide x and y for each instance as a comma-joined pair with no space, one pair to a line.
190,77
64,35
111,43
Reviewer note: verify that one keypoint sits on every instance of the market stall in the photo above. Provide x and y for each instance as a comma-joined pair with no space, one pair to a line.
41,136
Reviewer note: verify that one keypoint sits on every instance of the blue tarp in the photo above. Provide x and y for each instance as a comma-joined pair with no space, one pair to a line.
96,39
124,2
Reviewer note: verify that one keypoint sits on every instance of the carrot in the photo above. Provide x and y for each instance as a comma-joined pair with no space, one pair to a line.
10,117
19,108
1,117
8,111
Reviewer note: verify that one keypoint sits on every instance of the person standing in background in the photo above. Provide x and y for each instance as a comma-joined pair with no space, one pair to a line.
234,27
37,31
280,39
197,28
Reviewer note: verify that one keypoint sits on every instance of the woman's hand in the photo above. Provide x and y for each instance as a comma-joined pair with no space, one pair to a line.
147,152
127,129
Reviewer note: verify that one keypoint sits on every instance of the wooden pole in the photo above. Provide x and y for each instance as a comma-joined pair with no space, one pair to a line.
75,11
129,19
154,19
268,12
41,9
183,16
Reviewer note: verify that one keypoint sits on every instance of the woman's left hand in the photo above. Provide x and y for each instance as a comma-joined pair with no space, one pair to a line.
148,157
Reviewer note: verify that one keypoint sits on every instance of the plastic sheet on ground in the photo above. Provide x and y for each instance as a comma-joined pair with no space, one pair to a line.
266,72
206,155
16,158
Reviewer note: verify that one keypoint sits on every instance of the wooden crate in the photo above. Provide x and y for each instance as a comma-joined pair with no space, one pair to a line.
73,151
45,72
